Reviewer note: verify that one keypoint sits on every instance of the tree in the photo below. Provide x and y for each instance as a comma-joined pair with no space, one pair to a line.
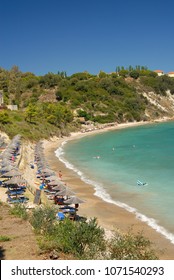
83,114
31,112
102,74
4,117
134,74
59,95
123,72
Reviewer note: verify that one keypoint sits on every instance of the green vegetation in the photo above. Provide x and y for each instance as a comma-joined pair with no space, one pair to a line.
131,246
4,238
19,210
51,104
81,239
42,219
159,84
86,239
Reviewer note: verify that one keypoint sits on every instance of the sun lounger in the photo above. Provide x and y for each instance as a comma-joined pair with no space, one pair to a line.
68,209
20,199
15,192
49,192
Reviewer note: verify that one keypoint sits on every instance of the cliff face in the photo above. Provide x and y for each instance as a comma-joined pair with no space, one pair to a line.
156,105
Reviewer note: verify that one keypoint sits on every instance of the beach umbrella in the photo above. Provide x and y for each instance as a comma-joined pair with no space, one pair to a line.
5,162
8,168
46,174
15,180
74,200
12,173
55,183
58,188
46,170
41,164
65,192
52,178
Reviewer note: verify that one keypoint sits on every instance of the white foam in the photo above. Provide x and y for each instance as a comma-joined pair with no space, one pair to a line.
100,192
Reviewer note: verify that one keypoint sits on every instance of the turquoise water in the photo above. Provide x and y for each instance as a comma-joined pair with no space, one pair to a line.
114,161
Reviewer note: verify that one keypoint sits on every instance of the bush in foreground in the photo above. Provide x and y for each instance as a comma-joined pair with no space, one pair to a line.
42,219
130,246
85,239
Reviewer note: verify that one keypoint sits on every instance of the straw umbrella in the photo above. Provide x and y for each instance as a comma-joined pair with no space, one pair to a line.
58,188
74,200
46,174
65,192
8,168
55,183
46,170
52,178
12,173
15,181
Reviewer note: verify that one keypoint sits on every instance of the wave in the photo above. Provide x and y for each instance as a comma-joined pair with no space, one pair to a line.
100,192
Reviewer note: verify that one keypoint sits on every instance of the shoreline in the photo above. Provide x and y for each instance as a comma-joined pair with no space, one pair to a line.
109,215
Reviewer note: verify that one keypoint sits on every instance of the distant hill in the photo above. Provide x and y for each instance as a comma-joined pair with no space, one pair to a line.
56,104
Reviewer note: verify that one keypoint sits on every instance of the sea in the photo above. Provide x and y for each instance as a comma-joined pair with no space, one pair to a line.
114,161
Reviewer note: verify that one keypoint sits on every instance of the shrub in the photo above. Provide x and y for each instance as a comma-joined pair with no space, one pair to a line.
85,240
19,210
4,238
4,118
42,219
131,246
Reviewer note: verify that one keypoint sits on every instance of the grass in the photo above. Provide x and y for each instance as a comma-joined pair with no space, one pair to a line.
4,238
19,210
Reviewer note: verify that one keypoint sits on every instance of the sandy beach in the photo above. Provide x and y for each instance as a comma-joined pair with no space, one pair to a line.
108,215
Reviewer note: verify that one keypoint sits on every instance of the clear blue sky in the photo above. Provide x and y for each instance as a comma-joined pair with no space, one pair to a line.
42,36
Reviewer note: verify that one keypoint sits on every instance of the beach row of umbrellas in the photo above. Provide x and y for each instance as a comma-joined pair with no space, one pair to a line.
8,163
10,174
55,185
3,143
8,156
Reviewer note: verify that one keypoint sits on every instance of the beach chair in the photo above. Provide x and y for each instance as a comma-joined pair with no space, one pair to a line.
15,192
20,199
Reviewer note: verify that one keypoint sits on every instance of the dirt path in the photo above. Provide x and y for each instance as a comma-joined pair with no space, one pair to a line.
22,244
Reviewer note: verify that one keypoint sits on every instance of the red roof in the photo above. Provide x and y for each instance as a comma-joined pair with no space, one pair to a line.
158,71
171,73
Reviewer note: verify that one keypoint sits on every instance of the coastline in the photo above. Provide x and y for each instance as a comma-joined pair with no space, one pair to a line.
109,216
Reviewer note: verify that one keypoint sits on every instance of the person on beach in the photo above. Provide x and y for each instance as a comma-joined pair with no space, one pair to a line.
60,175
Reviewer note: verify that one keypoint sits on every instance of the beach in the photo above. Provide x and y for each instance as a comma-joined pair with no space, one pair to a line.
109,216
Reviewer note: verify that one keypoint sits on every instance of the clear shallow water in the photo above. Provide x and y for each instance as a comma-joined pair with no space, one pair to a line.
114,161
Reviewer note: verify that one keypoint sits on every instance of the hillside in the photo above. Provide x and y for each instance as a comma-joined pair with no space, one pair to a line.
55,104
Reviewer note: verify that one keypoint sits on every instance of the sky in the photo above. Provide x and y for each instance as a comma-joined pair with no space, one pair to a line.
42,36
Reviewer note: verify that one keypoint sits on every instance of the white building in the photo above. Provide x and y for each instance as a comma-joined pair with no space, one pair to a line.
171,74
159,72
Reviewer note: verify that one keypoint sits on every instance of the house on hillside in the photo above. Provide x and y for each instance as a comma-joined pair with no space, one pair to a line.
159,72
12,107
4,106
171,74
